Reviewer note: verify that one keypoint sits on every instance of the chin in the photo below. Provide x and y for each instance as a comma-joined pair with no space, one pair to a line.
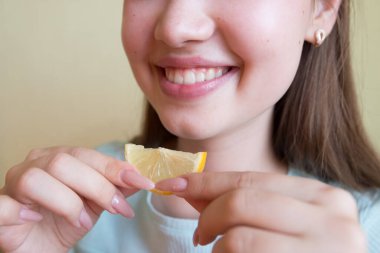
189,130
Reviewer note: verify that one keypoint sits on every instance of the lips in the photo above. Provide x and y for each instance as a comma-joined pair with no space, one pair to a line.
194,83
188,78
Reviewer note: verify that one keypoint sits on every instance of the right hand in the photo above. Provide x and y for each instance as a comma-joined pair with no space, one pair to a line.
53,198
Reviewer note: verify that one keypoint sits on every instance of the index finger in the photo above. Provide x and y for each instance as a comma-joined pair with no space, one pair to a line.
116,171
199,189
208,186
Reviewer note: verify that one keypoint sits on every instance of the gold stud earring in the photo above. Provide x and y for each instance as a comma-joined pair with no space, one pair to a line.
319,36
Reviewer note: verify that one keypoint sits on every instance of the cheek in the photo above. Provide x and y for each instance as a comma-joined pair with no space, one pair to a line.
130,32
270,41
136,38
137,29
270,30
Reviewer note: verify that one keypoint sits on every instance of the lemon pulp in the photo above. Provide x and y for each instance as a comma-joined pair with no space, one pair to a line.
160,163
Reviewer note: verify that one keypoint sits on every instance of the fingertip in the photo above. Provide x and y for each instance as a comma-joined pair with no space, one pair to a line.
30,215
201,240
137,180
178,184
85,220
13,212
196,238
122,207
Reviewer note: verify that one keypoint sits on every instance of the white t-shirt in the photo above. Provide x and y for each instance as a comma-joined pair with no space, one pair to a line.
149,232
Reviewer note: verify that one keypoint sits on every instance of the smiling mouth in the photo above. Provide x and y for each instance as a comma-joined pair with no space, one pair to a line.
189,76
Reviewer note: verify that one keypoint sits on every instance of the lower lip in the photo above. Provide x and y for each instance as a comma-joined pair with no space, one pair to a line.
195,90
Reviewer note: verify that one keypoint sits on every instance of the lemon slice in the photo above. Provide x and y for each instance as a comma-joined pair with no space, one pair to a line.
161,163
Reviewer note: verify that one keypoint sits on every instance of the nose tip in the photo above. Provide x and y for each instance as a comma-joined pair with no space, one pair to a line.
180,25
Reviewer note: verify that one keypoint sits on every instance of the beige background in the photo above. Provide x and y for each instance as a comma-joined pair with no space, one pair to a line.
64,78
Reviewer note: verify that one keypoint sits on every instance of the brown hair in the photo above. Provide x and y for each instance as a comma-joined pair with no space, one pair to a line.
317,126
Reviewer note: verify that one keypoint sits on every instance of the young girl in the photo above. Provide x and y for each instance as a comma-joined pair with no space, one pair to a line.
266,88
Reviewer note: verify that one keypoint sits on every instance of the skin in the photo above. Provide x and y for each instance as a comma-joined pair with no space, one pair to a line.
263,208
263,212
35,219
262,41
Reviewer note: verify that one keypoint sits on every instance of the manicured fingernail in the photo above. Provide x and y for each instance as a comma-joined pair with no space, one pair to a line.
133,178
85,220
122,207
177,184
29,215
196,238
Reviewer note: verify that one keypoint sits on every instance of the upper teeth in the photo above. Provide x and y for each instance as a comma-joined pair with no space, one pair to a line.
193,75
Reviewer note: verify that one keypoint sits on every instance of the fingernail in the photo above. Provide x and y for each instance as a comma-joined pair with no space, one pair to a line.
196,238
137,180
122,207
177,184
85,220
29,215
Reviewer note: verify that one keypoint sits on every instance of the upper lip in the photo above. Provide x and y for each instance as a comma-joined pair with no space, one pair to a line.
188,62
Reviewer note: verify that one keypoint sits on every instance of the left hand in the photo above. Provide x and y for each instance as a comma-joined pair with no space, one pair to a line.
271,213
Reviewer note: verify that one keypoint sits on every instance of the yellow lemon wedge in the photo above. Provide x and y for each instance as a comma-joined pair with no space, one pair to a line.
161,163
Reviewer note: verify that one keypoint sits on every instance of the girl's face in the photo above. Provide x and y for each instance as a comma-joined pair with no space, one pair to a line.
211,67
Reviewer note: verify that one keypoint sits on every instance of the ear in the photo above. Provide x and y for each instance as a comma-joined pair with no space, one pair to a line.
324,17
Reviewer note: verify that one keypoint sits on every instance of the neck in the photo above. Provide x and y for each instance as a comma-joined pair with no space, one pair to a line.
247,149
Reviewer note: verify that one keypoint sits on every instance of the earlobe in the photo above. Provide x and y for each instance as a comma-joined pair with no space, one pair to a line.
324,17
